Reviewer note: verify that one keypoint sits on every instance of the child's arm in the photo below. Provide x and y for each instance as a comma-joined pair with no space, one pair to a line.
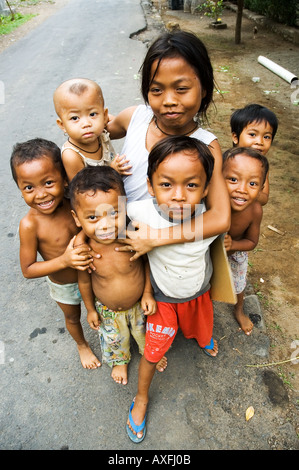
72,163
71,258
251,235
264,194
118,125
85,287
148,302
214,221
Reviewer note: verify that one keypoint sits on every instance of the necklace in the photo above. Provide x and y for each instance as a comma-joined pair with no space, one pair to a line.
83,149
165,133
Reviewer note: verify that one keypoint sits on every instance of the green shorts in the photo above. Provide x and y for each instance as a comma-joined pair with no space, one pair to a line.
65,293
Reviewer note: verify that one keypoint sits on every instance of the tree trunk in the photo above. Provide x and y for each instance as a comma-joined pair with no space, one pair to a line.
239,21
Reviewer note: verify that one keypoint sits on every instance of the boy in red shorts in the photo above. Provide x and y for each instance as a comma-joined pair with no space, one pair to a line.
180,273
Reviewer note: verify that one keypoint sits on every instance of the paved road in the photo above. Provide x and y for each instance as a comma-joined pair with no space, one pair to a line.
48,401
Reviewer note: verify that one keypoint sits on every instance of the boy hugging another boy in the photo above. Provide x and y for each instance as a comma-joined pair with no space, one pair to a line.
113,291
49,229
244,171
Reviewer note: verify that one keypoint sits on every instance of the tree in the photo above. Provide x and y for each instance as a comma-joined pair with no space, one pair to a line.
239,21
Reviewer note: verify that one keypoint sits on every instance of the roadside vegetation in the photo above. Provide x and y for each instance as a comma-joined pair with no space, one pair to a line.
9,23
15,19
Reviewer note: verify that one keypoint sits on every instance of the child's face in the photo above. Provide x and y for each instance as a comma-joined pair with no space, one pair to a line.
243,176
178,192
83,117
41,184
102,215
257,135
175,94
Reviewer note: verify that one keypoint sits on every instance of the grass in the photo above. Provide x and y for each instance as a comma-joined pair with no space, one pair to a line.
8,24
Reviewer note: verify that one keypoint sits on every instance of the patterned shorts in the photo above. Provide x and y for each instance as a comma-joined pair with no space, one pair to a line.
115,332
239,262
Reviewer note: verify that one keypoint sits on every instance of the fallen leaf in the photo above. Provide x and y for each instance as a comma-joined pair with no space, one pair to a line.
249,413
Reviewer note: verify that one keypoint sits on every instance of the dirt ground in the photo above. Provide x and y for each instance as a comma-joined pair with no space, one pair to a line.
274,263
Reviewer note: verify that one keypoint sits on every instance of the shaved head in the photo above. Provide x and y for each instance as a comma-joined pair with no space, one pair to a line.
75,86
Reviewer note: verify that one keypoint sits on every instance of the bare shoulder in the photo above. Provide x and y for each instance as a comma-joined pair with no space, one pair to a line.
72,162
69,155
257,210
28,226
28,221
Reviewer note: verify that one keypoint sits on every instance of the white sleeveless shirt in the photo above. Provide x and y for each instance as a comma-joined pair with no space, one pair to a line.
135,150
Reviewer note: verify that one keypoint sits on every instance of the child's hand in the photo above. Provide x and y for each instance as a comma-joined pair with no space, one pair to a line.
148,303
121,165
93,320
87,250
141,241
77,258
228,242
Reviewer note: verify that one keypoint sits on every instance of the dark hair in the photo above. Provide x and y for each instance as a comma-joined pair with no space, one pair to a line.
35,149
95,178
249,152
252,113
189,47
176,144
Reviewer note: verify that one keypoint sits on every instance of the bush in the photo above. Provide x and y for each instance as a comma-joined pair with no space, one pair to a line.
281,11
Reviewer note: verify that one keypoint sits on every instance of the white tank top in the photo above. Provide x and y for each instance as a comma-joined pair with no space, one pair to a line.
135,150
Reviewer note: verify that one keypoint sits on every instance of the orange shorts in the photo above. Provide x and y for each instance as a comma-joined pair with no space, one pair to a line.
195,318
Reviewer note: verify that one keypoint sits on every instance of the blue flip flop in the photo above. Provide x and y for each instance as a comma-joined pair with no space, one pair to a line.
136,428
209,346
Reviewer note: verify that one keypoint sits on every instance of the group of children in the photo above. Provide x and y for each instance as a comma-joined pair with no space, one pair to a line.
130,234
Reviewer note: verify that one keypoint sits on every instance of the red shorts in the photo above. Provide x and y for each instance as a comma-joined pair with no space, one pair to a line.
195,318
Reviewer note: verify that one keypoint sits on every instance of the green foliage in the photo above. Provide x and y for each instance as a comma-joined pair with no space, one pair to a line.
9,23
212,8
281,11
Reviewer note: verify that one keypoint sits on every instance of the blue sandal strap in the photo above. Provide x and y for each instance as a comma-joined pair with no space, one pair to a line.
134,426
211,345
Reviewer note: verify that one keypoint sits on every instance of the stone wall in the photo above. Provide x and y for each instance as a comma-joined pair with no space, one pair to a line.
190,5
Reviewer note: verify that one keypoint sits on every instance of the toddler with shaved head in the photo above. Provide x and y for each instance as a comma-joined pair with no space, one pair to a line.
82,115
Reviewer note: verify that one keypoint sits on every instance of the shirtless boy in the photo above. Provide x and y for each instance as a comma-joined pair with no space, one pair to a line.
244,171
113,291
49,229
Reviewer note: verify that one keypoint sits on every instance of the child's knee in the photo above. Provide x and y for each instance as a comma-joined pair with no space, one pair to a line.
72,313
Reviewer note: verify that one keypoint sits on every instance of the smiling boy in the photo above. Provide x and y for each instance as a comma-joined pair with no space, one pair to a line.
255,126
244,171
49,229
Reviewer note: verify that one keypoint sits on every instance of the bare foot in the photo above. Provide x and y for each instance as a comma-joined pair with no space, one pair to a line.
244,321
120,374
162,364
87,357
138,414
